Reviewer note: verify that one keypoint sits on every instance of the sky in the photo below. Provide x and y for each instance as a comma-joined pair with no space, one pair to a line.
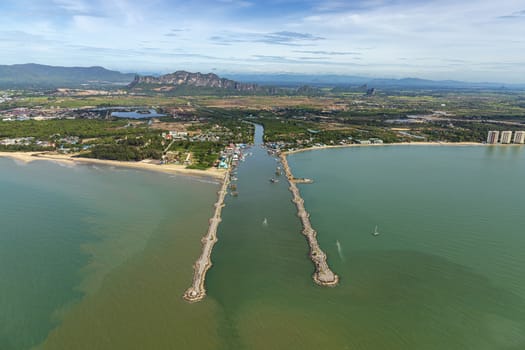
471,40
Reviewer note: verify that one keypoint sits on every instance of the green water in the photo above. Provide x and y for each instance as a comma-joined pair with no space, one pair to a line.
113,251
67,234
446,271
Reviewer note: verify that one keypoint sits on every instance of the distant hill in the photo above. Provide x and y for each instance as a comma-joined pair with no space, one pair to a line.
41,76
182,82
186,83
333,80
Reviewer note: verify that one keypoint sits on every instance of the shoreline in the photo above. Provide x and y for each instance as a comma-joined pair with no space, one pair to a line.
323,275
28,157
396,144
197,291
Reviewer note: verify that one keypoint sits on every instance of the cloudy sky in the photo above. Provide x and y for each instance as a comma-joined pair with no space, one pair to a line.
474,40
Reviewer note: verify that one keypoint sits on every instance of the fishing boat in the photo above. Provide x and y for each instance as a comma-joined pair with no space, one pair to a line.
376,232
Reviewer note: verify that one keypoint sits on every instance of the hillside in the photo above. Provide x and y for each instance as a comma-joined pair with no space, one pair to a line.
182,82
42,76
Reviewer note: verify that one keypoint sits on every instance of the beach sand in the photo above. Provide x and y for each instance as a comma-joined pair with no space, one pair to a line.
395,144
28,157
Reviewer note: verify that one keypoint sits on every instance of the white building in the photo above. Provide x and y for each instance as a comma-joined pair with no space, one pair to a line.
519,137
506,137
493,137
175,135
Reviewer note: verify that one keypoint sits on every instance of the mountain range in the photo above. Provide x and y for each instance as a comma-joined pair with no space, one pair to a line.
334,80
181,82
41,76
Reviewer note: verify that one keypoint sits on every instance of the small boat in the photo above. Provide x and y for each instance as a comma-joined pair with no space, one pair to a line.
376,232
235,193
273,180
265,222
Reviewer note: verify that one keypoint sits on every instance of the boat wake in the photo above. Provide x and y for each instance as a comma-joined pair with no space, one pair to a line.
340,251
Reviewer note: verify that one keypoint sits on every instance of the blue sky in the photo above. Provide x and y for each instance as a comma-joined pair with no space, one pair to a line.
474,40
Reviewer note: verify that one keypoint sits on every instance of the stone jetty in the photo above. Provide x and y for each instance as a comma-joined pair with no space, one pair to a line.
197,290
323,275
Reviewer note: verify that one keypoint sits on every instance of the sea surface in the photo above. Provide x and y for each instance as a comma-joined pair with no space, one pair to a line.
99,258
76,238
445,272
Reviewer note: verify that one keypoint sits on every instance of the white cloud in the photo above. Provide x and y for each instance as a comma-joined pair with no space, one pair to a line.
77,6
433,39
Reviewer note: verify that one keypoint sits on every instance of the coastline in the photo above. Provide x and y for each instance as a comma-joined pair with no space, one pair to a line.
28,157
196,291
396,144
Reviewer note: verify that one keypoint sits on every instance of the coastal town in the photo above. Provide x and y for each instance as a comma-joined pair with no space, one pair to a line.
212,136
204,138
262,175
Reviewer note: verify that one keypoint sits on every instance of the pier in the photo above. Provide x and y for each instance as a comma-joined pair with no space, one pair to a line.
323,275
301,180
197,291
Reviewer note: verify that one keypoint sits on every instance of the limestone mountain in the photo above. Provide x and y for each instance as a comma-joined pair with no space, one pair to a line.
182,80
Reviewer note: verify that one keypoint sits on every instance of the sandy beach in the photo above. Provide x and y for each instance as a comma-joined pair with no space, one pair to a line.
28,157
395,144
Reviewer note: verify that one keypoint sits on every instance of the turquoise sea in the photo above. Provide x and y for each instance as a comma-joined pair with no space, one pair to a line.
98,258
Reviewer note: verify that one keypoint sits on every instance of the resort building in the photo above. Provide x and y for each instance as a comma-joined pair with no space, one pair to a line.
519,137
493,137
506,137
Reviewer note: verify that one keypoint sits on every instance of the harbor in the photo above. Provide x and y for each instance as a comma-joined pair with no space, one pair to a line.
323,275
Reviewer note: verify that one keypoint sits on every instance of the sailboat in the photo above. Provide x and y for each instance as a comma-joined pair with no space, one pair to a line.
376,232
